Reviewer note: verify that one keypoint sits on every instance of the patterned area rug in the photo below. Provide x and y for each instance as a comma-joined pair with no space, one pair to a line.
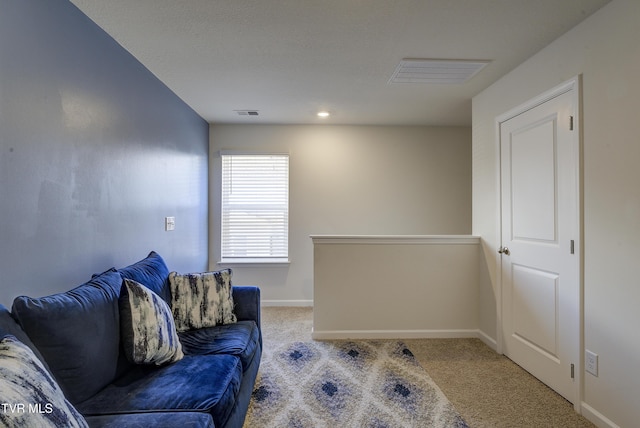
346,384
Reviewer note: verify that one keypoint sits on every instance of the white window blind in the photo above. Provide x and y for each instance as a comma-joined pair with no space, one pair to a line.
255,207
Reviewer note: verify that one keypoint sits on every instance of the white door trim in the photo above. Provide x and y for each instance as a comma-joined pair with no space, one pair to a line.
573,84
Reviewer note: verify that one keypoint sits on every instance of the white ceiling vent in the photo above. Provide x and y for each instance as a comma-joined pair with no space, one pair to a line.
247,112
436,71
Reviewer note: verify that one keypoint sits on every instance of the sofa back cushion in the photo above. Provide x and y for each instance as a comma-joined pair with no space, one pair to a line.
77,332
152,272
9,326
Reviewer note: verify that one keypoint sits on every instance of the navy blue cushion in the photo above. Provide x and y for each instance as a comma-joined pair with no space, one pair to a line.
10,326
77,332
206,383
240,339
152,272
155,420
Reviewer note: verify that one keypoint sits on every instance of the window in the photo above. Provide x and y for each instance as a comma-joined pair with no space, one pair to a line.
255,208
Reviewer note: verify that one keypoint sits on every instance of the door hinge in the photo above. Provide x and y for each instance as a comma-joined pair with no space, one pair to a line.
572,371
573,250
570,123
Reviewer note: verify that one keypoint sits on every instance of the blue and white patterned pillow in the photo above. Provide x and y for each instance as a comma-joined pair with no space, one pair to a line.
30,396
147,328
201,299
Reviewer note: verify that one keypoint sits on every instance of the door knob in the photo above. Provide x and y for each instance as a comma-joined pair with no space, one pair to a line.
504,250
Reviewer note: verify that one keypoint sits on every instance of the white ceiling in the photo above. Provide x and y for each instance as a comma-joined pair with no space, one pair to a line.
290,58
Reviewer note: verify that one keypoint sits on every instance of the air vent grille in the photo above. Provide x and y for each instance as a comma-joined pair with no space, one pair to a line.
247,112
436,71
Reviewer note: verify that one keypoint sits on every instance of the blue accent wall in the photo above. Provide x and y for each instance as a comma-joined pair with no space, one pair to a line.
95,152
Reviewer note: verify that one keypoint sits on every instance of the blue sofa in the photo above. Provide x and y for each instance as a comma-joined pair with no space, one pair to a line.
76,335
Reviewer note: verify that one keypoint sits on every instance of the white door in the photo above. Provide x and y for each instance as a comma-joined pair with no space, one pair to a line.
540,258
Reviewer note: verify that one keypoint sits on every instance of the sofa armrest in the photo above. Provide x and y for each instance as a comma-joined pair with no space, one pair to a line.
247,303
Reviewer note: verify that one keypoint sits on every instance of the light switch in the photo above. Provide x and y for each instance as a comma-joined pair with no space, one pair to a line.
169,223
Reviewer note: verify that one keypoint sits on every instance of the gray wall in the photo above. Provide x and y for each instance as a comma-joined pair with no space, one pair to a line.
94,152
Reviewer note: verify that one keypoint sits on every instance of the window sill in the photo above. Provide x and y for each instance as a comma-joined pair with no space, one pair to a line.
254,262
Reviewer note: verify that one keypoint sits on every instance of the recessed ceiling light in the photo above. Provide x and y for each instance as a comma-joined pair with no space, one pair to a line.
436,71
324,114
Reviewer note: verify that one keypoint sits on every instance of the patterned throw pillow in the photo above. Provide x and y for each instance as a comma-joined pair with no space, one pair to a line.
201,299
146,326
29,394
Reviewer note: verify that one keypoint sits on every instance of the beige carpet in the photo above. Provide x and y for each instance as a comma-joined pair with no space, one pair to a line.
488,389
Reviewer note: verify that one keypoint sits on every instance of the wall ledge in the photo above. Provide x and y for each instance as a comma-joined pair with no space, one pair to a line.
395,239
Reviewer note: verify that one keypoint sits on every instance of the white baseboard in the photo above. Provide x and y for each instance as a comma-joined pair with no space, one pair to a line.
488,340
600,420
392,334
305,303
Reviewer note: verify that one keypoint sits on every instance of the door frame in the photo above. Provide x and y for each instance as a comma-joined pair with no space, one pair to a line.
575,85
